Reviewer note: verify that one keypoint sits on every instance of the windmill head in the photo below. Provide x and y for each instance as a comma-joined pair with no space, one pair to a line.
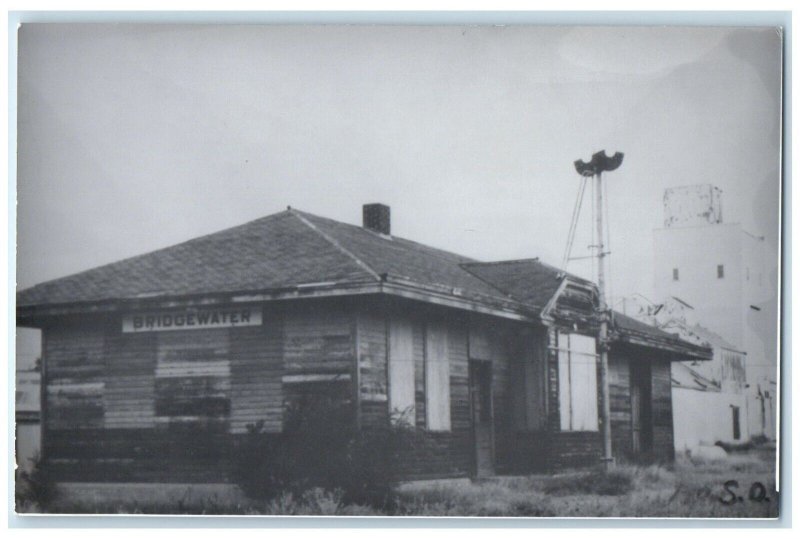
600,162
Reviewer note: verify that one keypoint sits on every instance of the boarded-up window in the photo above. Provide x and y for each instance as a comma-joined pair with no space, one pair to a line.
401,372
577,382
193,376
437,378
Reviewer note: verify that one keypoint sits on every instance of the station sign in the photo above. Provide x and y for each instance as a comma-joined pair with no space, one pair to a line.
201,318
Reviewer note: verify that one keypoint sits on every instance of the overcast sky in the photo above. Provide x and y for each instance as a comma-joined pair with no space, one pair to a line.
135,137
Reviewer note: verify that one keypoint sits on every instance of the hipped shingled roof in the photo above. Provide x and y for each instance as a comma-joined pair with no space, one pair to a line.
282,250
294,248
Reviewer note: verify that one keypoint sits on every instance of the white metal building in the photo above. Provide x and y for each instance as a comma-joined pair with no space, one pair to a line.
719,268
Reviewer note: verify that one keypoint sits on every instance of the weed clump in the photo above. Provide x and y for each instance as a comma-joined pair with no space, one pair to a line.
321,447
34,489
616,482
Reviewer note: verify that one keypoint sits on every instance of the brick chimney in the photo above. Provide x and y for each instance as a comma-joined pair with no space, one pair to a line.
377,217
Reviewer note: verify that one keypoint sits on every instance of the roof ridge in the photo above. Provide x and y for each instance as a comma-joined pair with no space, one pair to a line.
493,285
498,262
437,251
363,265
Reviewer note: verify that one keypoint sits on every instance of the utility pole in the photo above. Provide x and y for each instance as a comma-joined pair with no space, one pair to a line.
602,163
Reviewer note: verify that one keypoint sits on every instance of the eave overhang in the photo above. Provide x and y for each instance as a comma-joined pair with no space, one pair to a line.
36,315
679,350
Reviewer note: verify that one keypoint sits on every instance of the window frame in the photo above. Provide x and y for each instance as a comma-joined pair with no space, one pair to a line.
438,417
568,402
401,373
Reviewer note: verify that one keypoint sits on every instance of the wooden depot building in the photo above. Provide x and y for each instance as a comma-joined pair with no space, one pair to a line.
154,366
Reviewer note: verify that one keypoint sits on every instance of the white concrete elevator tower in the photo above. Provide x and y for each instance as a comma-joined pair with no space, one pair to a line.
719,269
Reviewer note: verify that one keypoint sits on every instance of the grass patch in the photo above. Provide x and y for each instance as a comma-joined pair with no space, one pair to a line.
686,489
614,482
498,498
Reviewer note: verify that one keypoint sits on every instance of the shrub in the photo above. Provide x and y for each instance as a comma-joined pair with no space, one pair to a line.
34,489
321,447
759,439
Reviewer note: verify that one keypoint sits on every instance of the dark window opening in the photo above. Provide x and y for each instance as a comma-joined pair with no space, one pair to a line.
736,431
720,271
675,275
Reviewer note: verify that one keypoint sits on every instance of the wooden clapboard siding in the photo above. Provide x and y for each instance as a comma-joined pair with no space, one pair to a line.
621,357
574,449
418,348
493,343
619,387
437,453
175,402
440,454
192,394
75,381
522,441
317,341
663,441
372,366
104,419
256,357
553,398
458,360
526,452
318,353
135,455
535,354
509,355
130,380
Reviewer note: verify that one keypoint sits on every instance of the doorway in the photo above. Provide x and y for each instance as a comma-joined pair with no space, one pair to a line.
641,409
480,393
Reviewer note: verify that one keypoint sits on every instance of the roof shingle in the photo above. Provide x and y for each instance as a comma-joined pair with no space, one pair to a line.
272,252
278,251
528,280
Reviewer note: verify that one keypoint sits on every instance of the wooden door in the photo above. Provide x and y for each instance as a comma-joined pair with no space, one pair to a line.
480,386
641,409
